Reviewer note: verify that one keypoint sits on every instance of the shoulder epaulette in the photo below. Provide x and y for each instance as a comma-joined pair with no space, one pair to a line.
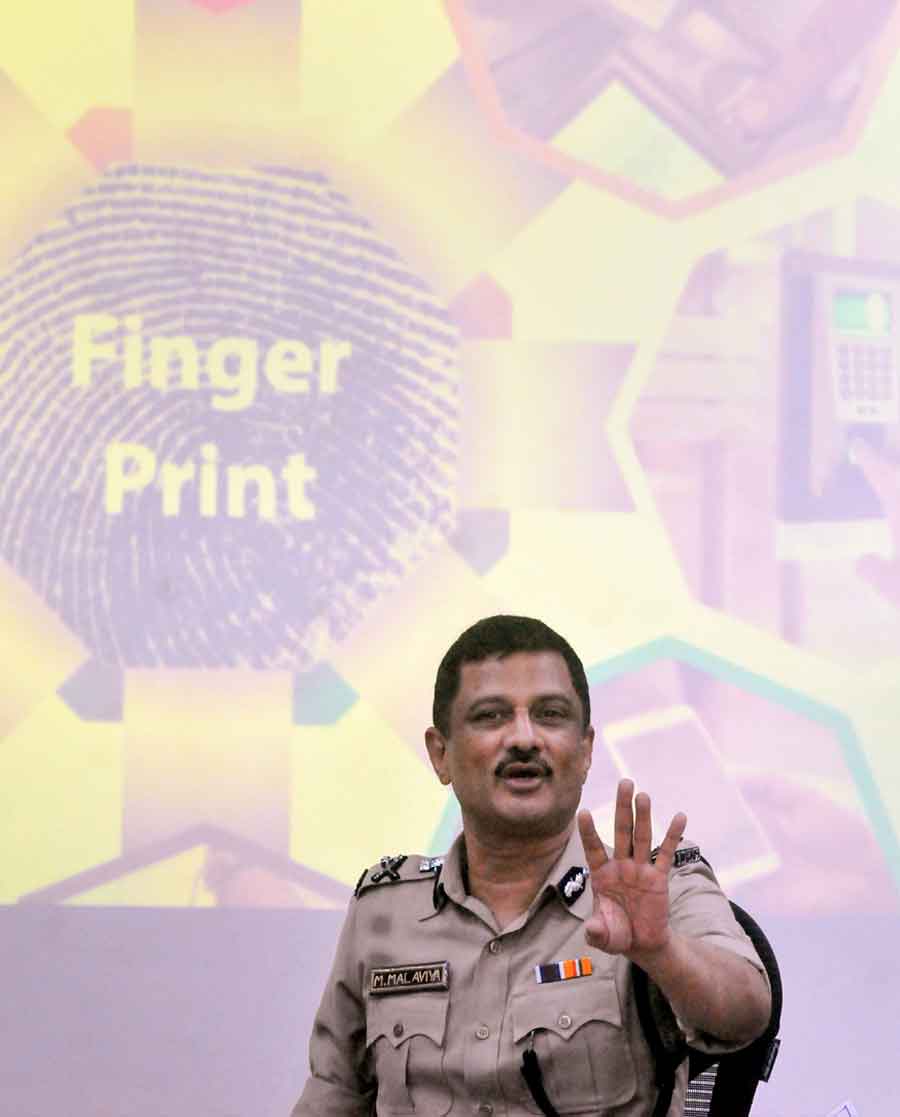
686,854
391,870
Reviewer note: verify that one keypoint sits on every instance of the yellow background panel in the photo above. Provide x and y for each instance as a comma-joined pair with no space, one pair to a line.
359,793
612,568
86,60
391,656
175,882
358,74
61,804
207,746
33,638
217,88
42,175
591,266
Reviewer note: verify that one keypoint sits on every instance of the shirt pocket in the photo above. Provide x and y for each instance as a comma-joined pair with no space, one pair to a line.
580,1043
405,1039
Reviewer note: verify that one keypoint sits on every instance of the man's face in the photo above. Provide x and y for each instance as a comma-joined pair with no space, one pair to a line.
516,754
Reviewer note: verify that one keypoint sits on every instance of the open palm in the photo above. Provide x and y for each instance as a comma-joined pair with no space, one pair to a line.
631,892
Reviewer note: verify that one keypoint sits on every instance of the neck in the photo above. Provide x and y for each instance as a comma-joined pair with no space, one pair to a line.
505,874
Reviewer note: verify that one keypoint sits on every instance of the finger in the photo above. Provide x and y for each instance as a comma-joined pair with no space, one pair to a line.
674,834
643,830
594,850
623,829
879,471
883,476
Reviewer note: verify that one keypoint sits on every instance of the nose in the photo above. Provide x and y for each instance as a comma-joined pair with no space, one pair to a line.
521,731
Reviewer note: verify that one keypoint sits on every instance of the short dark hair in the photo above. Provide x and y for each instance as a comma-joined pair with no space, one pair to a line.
501,636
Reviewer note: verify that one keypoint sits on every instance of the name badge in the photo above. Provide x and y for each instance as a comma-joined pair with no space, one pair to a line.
422,978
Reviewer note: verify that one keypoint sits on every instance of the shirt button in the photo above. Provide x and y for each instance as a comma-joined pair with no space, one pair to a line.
398,1030
482,1031
565,1020
494,948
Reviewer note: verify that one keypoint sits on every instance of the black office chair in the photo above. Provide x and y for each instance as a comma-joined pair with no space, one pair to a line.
719,1086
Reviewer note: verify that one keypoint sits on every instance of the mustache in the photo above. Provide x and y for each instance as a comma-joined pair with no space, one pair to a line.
522,756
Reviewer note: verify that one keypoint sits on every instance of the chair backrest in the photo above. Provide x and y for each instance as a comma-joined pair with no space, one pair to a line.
699,1094
719,1086
737,1075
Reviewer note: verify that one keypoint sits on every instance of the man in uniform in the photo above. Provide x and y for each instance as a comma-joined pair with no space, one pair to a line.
498,980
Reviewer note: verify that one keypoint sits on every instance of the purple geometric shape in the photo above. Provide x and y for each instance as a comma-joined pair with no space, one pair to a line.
482,537
95,692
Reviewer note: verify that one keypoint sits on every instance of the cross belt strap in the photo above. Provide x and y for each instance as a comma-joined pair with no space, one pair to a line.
534,1079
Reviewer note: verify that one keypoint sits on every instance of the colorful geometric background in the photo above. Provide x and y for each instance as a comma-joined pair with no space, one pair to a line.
329,327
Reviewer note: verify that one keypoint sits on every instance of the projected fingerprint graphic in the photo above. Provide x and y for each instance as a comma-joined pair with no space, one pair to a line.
228,417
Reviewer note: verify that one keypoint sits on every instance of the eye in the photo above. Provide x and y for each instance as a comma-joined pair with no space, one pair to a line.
553,713
488,716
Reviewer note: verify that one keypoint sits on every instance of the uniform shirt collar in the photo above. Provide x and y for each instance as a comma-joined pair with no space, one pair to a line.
452,879
569,878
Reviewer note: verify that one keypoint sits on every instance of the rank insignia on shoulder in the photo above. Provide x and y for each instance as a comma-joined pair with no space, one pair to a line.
421,977
684,855
573,883
385,872
563,971
390,869
430,864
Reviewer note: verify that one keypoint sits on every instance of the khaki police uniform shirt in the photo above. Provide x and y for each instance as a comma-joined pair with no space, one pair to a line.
458,1050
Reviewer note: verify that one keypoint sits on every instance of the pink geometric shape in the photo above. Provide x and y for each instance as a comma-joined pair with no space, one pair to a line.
217,6
483,310
103,136
779,167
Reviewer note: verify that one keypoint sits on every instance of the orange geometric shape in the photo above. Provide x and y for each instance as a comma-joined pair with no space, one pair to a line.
103,135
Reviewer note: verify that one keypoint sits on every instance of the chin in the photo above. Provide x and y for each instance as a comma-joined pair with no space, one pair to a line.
537,822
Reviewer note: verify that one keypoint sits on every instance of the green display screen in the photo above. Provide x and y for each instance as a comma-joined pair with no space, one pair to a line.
863,312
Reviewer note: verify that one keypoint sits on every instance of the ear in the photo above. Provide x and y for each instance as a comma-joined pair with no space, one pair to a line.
588,743
436,746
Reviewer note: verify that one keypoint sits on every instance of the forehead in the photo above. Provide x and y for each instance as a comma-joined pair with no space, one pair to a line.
520,677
